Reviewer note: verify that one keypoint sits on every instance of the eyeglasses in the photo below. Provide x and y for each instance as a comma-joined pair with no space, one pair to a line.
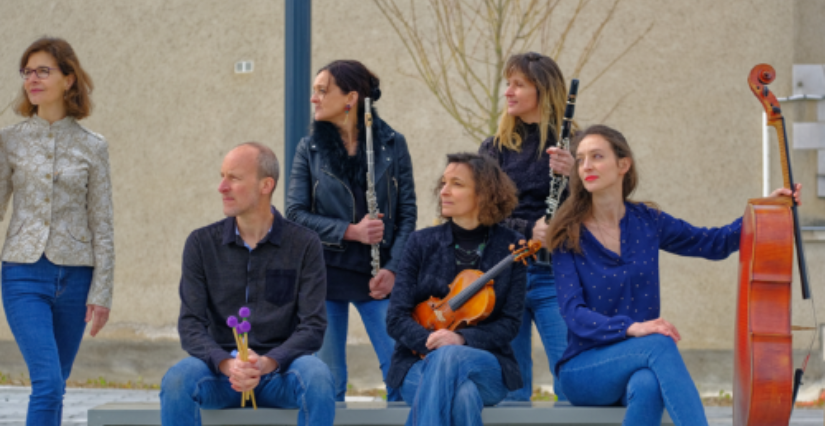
41,72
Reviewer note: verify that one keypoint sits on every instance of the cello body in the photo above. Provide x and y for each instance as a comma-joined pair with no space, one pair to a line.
763,368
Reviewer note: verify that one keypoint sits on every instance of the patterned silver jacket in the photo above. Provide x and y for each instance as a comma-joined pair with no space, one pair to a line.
62,198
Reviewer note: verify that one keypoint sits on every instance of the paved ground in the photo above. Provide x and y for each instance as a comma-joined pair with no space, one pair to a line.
13,401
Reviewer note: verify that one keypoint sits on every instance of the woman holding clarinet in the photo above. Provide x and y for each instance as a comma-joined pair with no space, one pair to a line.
330,193
525,147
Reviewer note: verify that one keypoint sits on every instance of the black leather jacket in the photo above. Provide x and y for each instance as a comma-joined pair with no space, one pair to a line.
323,202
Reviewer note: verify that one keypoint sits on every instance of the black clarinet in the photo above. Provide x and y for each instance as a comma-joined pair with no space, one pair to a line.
559,181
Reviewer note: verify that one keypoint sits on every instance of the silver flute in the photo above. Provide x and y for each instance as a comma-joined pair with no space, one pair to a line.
372,201
559,181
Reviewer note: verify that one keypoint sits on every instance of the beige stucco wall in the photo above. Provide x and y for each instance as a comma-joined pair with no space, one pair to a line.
170,105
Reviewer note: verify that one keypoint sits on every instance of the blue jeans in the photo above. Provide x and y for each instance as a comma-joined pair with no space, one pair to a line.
190,386
542,307
46,309
334,350
451,386
646,374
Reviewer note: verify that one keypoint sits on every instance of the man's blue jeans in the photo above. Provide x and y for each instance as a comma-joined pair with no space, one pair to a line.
542,307
645,374
334,350
45,306
190,386
451,386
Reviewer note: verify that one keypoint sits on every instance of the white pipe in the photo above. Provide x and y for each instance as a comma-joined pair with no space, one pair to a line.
804,97
766,165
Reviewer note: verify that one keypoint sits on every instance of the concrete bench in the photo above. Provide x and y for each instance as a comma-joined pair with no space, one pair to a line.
369,413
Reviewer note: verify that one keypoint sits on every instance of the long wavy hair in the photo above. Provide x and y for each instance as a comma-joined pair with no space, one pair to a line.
495,190
551,96
78,99
565,228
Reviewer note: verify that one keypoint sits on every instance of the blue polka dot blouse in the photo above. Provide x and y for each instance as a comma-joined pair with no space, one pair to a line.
601,293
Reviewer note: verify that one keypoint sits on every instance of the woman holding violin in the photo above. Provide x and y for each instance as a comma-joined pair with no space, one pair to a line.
605,257
449,376
525,147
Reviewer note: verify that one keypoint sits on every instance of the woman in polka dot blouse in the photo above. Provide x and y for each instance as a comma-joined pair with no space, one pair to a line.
605,251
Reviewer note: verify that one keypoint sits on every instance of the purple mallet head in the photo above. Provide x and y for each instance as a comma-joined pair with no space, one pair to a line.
244,312
244,327
232,321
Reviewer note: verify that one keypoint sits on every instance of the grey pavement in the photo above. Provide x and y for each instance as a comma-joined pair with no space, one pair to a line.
14,399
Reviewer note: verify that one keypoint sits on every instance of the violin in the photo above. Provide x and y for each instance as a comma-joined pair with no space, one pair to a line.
471,298
765,385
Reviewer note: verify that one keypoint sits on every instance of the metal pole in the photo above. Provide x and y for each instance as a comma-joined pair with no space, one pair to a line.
297,59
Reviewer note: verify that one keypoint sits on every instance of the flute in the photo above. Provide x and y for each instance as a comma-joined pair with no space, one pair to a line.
372,201
559,181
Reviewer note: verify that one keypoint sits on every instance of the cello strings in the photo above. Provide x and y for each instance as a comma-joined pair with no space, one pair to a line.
813,335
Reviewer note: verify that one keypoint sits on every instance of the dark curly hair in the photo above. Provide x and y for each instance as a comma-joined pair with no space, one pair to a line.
497,194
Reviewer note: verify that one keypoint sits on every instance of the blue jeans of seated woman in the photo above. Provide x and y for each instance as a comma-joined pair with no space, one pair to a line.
646,374
334,349
542,307
190,386
45,306
451,386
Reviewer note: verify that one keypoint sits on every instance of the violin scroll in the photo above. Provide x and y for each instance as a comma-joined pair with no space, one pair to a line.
525,250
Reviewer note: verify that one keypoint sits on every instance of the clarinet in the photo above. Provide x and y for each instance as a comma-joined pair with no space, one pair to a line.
372,201
559,181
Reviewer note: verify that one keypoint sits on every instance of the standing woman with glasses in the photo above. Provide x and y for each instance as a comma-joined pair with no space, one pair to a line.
327,193
525,147
58,258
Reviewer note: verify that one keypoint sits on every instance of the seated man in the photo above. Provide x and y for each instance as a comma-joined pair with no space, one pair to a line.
258,259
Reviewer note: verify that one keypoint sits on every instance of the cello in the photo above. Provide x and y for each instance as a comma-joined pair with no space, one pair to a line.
765,385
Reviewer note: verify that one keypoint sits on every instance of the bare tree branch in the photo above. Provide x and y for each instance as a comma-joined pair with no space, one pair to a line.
615,107
460,54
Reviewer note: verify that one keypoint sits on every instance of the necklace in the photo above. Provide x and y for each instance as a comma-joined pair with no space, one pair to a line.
471,257
603,233
468,256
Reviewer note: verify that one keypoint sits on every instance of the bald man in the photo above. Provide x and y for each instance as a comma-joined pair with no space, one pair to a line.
257,259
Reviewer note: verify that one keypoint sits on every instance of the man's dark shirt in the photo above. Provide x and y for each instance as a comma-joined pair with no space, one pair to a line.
282,281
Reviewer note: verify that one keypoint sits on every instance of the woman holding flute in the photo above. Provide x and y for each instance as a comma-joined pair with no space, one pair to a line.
328,193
